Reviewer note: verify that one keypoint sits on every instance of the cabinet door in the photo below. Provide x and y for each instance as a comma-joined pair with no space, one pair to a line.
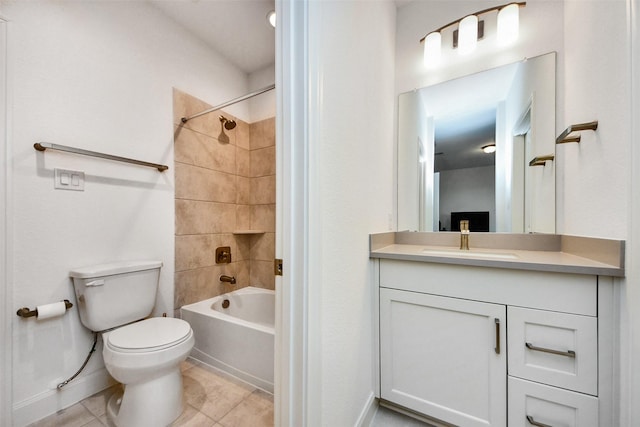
533,404
443,357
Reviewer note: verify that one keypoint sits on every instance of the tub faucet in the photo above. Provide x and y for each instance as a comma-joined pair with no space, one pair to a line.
464,235
228,279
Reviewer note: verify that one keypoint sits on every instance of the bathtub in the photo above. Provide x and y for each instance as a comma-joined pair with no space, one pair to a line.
238,339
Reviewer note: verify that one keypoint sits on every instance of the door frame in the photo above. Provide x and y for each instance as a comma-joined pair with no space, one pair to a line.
6,292
292,143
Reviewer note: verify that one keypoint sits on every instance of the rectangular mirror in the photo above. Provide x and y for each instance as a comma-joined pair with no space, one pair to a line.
444,173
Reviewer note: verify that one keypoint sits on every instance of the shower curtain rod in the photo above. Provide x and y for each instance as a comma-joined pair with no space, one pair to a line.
233,101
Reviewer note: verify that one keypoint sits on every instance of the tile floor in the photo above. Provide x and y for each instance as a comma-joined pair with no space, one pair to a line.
213,399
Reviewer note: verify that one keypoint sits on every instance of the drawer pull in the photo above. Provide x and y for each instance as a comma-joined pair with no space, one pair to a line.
568,353
535,423
497,347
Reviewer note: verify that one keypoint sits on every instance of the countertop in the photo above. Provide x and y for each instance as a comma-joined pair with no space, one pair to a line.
553,253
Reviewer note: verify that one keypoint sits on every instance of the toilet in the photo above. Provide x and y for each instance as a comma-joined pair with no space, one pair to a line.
142,353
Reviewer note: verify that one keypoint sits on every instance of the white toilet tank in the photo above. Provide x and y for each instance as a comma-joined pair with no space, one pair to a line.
112,295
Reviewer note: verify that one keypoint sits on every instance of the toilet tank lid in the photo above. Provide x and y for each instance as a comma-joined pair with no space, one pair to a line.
112,268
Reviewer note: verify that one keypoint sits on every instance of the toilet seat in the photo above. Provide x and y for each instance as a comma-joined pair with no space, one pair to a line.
153,334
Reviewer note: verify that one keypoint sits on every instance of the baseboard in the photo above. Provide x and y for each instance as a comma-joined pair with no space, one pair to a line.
51,401
368,412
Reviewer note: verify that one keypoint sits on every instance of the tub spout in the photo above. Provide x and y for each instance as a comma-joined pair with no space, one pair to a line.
228,279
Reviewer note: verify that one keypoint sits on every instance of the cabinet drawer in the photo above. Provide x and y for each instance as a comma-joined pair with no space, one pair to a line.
558,349
567,293
532,404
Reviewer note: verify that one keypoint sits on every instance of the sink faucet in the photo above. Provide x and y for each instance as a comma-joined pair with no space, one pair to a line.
464,235
228,279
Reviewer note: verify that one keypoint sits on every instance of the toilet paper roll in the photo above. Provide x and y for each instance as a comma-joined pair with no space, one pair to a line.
48,311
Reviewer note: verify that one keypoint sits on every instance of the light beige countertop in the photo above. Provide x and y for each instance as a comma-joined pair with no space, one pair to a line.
554,253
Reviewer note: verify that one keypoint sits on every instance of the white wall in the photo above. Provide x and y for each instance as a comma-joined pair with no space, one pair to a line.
350,195
595,176
464,190
594,173
99,76
262,106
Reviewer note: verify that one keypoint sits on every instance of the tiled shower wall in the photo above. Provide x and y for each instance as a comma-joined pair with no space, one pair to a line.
225,183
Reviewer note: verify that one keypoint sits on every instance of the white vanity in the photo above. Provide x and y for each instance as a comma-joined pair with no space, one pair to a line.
518,331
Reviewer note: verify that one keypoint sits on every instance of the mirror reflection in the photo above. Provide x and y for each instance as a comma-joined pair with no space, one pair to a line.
465,148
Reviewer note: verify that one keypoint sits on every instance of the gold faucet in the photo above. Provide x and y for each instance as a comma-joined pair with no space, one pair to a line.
464,235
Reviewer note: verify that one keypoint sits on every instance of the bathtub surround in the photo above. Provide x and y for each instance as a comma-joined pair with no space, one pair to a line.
225,185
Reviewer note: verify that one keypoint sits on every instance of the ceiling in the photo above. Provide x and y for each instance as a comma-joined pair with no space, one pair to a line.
237,29
464,112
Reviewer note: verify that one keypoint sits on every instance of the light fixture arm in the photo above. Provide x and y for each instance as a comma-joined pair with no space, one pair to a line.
520,4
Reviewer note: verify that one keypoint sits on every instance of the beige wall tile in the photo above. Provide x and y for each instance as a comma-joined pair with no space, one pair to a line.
195,251
243,162
263,247
263,162
263,190
197,217
185,105
244,190
243,217
242,243
201,150
263,217
200,284
242,274
225,180
263,134
243,135
196,183
262,275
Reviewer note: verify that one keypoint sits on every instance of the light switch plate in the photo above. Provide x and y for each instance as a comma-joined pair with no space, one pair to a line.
64,179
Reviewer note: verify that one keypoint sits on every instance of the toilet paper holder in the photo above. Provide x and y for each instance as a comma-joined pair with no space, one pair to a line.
26,312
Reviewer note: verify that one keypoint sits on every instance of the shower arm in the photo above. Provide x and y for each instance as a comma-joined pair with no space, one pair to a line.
228,103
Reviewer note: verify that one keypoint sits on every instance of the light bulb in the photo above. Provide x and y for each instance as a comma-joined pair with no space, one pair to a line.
508,24
432,49
467,34
491,148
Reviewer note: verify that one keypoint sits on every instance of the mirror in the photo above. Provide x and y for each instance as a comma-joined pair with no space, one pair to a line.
444,175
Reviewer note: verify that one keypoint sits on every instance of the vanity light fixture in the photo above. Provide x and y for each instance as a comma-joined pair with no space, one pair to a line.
470,29
490,148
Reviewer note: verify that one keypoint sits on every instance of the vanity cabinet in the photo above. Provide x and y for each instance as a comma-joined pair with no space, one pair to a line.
444,356
480,346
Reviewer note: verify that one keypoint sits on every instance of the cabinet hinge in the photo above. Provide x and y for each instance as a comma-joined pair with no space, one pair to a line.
277,267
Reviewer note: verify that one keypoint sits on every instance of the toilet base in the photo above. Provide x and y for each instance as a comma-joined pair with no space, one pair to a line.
153,403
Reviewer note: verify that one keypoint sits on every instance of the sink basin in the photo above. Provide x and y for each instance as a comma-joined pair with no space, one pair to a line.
469,254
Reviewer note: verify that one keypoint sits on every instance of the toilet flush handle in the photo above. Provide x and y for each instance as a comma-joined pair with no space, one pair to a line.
98,282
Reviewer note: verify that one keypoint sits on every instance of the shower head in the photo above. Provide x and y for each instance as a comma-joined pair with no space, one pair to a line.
228,124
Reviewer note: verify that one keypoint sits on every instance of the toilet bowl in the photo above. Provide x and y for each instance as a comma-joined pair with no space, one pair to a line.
142,353
145,357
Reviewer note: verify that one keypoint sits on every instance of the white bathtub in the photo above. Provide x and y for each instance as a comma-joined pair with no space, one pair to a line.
238,339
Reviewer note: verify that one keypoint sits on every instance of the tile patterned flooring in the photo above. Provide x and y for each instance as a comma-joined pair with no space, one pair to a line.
213,399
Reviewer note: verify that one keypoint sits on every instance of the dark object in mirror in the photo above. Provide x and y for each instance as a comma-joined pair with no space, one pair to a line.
478,221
